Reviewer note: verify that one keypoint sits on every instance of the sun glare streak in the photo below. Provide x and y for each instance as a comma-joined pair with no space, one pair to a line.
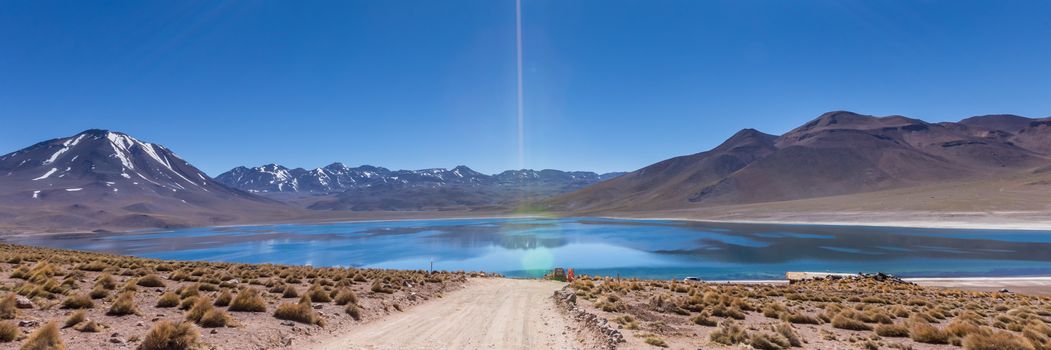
520,114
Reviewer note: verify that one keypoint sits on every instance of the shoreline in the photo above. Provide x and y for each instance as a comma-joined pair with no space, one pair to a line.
290,222
1007,225
1013,226
1033,285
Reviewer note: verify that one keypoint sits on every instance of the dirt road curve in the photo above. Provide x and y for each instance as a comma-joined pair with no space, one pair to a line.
489,314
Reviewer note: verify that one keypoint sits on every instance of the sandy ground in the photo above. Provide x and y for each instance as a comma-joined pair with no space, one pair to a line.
1038,286
488,314
519,314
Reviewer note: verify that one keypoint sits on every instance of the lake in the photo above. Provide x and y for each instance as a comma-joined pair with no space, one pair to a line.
629,248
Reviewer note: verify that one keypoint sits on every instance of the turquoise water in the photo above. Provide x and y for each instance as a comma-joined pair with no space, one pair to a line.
629,248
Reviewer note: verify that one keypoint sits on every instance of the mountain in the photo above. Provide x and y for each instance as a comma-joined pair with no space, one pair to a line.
106,179
338,187
835,154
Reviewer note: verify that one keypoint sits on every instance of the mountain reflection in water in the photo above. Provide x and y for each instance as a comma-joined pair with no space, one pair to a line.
648,249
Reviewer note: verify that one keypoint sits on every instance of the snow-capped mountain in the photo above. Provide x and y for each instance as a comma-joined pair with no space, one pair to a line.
102,158
112,180
339,187
337,177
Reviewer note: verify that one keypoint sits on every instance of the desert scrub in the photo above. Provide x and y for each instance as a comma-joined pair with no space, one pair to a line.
165,335
764,341
88,327
892,330
654,340
187,303
98,292
961,328
77,317
346,296
248,300
168,299
926,333
318,294
224,298
302,312
846,320
729,333
79,301
214,318
94,266
800,318
8,307
9,331
378,287
106,281
151,281
789,333
627,321
773,310
702,319
124,305
192,290
204,307
727,312
290,292
995,341
45,338
876,315
353,311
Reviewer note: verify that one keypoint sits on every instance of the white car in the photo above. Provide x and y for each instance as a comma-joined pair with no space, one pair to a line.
691,279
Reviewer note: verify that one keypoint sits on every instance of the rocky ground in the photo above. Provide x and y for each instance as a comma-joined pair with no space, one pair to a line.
829,314
103,301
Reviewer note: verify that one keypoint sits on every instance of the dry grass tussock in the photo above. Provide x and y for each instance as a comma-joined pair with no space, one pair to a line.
36,283
862,313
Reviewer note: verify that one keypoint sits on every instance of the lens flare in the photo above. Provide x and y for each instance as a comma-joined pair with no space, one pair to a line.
538,259
520,107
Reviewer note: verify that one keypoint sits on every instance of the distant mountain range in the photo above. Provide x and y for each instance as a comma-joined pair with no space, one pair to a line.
836,154
105,180
337,177
376,188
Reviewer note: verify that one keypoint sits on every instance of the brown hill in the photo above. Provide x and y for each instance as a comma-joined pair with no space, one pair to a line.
838,153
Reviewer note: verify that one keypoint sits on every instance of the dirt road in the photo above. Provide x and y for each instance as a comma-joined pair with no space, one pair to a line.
493,313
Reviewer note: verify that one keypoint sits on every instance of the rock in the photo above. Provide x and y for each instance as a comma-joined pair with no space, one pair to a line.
565,299
1004,290
28,323
138,324
214,331
288,323
317,306
286,340
114,335
116,340
22,302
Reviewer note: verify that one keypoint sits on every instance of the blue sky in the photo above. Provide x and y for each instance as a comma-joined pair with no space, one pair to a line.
609,85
